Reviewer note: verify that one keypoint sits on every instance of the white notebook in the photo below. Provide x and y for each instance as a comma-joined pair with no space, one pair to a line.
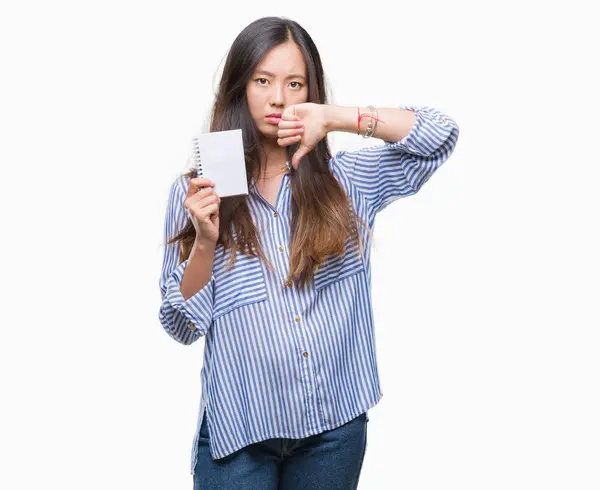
219,156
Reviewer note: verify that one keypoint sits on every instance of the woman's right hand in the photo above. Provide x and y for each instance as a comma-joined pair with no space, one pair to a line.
203,208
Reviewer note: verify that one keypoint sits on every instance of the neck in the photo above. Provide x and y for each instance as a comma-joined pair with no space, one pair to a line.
275,156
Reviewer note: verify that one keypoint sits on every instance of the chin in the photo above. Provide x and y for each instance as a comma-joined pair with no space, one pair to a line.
268,131
268,136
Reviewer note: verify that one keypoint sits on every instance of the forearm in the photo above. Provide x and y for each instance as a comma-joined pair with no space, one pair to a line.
393,125
199,268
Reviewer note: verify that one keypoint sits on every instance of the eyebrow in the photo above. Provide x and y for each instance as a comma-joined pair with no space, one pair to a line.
269,74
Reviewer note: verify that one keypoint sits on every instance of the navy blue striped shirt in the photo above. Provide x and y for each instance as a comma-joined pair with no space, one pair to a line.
287,363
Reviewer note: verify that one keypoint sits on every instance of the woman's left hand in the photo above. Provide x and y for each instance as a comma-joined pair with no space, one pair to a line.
302,123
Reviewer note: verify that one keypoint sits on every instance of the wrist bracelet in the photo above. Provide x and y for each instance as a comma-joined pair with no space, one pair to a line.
372,124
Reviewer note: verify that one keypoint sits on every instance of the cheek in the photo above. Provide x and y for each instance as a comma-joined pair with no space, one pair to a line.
303,95
255,103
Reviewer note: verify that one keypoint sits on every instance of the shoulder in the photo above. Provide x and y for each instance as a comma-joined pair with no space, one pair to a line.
180,184
178,189
336,167
341,168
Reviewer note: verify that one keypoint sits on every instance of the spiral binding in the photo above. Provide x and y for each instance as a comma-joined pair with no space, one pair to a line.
196,156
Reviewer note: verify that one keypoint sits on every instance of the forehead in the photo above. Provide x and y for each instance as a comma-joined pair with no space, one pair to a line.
283,59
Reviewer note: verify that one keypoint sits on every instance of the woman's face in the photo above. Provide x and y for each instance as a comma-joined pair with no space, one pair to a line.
278,82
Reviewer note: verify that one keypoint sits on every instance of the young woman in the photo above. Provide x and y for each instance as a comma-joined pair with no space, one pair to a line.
278,281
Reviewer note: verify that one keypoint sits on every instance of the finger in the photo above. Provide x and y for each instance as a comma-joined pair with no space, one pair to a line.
202,203
198,183
196,189
198,197
201,194
288,141
202,181
289,116
205,213
286,133
290,124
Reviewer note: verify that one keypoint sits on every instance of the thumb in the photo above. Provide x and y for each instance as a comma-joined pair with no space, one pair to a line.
299,155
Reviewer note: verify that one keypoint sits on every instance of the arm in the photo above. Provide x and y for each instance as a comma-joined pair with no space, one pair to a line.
186,309
416,143
198,272
395,124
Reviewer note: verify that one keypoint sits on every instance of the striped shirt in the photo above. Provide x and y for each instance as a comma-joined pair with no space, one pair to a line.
282,362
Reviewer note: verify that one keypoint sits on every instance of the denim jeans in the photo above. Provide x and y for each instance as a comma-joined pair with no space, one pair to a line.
331,460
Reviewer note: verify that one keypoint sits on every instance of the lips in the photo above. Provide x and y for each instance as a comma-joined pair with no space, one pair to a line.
273,118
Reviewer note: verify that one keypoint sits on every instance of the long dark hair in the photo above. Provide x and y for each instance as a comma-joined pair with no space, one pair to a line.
322,213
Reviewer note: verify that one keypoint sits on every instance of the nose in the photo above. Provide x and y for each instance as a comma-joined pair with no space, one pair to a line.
277,95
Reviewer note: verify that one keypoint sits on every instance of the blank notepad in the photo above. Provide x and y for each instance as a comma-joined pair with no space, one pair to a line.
219,156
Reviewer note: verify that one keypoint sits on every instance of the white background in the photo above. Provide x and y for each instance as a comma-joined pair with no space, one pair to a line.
485,283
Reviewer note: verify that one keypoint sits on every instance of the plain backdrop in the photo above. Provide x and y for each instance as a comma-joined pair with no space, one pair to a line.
485,283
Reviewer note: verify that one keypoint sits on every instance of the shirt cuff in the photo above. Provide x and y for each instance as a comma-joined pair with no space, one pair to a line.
430,130
197,308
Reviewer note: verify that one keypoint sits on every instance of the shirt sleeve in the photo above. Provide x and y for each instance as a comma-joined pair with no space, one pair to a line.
398,169
184,320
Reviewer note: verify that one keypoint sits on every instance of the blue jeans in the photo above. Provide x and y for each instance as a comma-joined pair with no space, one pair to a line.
331,460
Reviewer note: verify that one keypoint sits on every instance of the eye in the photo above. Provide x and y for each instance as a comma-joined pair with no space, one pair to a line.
299,84
258,80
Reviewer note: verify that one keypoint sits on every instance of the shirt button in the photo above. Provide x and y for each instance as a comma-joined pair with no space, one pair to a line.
288,283
287,185
192,327
305,354
444,121
281,249
297,319
275,214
